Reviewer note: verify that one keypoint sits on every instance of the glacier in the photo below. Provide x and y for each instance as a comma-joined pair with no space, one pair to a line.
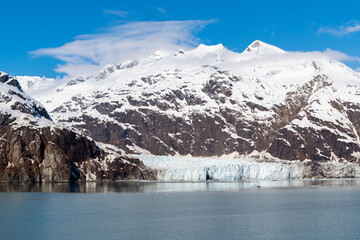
170,168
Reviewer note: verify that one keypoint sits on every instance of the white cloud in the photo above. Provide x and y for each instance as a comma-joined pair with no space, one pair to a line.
133,40
358,69
342,30
118,13
340,56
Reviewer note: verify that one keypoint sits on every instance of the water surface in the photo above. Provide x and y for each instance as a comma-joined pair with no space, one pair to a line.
207,210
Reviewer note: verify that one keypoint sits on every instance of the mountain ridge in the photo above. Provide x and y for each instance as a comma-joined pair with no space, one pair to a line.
210,101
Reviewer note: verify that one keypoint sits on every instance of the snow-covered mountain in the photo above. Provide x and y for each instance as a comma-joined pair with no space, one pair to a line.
211,101
35,149
37,86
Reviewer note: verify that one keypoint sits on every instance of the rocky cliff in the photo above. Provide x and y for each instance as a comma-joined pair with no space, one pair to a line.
34,149
212,102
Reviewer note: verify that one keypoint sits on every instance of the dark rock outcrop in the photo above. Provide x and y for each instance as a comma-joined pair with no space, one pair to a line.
56,155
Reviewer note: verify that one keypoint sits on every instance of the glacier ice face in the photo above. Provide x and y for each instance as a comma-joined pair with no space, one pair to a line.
201,169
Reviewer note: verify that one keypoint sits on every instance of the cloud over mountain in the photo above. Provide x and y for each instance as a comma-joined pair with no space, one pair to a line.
130,40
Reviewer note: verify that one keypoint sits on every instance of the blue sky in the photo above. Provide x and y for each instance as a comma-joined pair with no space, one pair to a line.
53,38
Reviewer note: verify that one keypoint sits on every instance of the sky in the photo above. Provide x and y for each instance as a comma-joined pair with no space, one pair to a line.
74,37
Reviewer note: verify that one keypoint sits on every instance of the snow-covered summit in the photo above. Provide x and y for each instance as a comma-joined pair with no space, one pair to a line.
273,69
18,107
36,86
157,55
261,48
202,48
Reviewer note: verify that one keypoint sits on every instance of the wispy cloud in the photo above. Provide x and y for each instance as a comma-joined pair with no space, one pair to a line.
132,40
163,11
342,30
118,13
357,70
340,56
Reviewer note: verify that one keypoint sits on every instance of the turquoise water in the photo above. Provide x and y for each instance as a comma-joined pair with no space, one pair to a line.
208,210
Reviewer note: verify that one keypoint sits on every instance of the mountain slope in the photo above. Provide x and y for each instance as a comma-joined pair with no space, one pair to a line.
210,102
34,149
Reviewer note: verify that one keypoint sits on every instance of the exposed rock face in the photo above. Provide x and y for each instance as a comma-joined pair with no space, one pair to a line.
54,155
212,102
33,149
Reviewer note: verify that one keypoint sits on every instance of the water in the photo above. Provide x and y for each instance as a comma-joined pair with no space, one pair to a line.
205,210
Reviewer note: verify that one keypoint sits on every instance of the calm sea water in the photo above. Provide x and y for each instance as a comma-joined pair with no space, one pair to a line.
207,210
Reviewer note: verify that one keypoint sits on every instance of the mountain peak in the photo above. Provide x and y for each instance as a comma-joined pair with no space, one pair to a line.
218,51
6,78
157,56
211,48
15,102
260,48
